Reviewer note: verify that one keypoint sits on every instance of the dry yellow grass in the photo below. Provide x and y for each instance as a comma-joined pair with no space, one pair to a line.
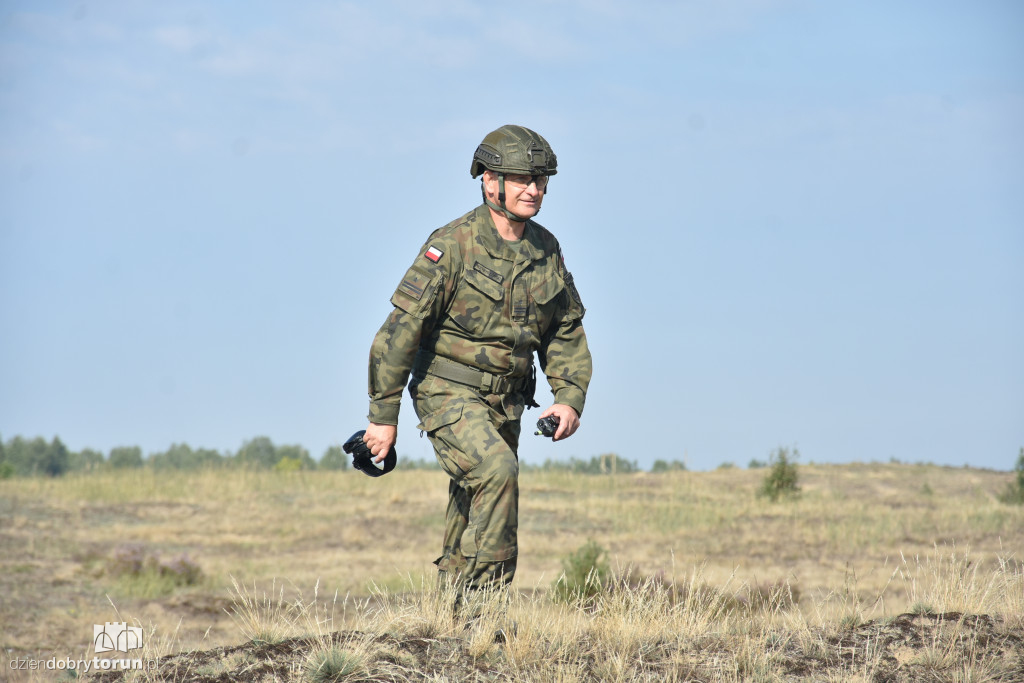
862,542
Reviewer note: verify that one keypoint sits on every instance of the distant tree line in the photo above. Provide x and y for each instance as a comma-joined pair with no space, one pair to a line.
37,457
608,463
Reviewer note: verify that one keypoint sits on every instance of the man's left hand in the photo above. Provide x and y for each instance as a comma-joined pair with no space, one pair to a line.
568,420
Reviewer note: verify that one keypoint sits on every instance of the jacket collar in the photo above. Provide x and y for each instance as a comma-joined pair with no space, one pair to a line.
488,237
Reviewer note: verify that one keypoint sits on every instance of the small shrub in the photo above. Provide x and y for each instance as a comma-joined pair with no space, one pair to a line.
756,464
129,558
288,464
782,477
182,570
585,573
143,574
1014,493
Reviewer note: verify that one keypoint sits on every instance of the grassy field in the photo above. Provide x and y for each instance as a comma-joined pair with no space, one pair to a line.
876,572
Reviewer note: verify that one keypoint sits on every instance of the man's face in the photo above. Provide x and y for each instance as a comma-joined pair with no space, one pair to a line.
523,193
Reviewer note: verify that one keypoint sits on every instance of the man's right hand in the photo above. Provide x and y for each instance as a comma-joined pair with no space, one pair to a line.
379,439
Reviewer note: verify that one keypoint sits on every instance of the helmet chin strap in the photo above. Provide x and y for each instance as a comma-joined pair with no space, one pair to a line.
501,198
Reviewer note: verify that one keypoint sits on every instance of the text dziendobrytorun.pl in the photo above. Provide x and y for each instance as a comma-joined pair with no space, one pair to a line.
82,665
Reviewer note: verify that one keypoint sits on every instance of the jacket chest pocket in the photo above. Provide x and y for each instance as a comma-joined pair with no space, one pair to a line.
479,304
544,302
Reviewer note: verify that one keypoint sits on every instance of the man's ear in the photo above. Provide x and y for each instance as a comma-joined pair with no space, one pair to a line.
489,179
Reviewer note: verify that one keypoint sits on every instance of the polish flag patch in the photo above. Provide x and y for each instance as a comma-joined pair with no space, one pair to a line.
434,254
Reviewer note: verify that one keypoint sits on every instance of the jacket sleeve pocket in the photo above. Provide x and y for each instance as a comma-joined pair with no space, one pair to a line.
576,309
417,291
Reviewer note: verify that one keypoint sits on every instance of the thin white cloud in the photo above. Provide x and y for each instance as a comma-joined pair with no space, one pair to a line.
181,38
62,28
71,135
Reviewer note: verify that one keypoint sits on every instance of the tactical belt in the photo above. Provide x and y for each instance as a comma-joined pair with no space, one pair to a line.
438,366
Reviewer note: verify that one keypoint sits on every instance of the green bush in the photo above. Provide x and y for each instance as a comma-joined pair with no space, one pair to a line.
1014,493
288,464
585,573
782,476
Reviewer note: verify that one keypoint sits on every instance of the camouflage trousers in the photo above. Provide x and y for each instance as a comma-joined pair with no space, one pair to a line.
476,439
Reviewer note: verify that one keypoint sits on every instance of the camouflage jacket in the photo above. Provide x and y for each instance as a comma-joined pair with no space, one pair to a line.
474,298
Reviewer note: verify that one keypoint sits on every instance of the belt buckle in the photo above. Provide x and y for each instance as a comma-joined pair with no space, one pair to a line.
499,384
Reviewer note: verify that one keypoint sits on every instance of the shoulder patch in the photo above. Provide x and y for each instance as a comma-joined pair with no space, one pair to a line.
433,254
415,282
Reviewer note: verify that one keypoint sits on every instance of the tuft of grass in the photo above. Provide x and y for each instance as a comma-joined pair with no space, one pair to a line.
333,664
772,597
420,609
950,581
921,609
262,618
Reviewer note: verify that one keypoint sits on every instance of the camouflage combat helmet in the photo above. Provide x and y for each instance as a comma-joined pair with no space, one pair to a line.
513,150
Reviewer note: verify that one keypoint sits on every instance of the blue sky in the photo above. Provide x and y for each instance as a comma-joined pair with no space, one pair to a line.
793,223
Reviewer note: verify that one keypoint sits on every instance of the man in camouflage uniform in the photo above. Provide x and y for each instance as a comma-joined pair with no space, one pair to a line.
485,292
